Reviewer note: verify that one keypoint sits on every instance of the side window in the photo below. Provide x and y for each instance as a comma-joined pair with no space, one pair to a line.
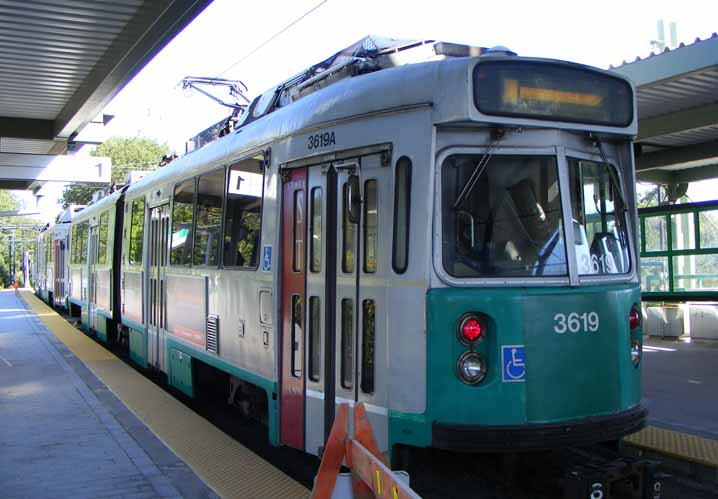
182,223
348,235
137,225
243,218
370,226
73,243
210,195
367,346
315,243
315,347
102,238
347,343
402,205
82,246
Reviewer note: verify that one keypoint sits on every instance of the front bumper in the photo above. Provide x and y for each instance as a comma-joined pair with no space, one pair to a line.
485,438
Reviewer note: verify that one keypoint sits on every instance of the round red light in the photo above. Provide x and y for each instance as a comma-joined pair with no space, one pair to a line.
634,319
471,330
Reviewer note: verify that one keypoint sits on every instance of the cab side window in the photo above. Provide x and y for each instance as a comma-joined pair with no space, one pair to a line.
243,217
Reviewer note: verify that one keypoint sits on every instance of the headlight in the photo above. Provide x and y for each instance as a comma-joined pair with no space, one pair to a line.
635,352
471,368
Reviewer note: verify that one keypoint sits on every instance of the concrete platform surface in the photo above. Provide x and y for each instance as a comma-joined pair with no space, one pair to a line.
64,434
680,386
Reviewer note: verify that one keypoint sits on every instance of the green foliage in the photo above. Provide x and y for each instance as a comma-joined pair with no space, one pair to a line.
127,154
24,239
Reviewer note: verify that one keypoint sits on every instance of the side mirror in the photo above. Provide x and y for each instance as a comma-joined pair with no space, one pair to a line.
353,199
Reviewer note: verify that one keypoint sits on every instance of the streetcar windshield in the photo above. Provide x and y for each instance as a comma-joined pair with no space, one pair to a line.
509,223
601,238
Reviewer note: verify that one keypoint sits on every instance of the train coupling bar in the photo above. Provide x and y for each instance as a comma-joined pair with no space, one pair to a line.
598,473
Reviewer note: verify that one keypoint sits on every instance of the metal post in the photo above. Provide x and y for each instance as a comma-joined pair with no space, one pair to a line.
25,269
11,249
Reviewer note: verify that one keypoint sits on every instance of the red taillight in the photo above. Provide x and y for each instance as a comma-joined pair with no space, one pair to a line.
634,319
471,330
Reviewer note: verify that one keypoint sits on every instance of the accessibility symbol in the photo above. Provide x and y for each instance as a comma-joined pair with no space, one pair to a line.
267,258
513,361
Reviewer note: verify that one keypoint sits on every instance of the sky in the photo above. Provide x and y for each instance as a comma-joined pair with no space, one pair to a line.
596,33
154,105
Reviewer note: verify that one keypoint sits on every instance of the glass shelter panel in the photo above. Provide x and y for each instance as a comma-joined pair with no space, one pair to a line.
683,231
656,233
709,228
654,274
695,273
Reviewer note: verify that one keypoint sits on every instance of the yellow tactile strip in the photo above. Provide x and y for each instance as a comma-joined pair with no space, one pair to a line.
676,444
224,464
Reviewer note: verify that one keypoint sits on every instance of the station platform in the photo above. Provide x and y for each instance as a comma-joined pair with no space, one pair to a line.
79,422
680,384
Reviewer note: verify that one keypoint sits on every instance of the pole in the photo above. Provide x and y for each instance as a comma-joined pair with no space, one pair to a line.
26,269
12,255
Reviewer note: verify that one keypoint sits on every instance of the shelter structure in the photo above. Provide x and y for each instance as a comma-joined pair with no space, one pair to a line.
60,65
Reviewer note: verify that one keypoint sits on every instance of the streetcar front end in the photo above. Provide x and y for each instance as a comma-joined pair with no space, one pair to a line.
534,334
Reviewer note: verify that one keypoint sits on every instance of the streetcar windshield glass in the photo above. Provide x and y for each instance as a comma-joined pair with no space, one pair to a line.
600,234
509,223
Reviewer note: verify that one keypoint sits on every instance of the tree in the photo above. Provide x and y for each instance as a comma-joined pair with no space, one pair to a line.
24,239
127,154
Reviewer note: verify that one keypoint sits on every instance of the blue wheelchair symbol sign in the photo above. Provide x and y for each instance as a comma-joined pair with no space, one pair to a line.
267,258
513,362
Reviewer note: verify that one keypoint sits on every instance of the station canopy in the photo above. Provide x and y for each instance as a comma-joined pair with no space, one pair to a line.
677,113
61,63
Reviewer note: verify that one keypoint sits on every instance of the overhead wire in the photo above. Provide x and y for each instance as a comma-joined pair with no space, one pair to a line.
270,39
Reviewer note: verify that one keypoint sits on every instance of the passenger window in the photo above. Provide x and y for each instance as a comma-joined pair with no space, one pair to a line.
315,346
243,219
370,225
182,214
210,195
347,367
367,346
402,202
73,243
137,225
297,336
298,232
315,248
348,235
82,246
102,231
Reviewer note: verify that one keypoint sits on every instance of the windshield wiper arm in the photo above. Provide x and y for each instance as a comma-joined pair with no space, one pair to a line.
497,135
611,172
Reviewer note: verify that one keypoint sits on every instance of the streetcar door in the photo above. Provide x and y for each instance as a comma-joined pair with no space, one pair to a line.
363,259
291,410
156,286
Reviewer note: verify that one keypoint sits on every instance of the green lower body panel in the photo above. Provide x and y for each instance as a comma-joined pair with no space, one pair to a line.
571,346
138,347
269,387
180,372
101,328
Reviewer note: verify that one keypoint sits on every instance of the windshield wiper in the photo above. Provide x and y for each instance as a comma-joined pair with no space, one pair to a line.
611,172
497,134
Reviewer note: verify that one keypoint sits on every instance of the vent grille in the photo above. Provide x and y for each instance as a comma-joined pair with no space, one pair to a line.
213,333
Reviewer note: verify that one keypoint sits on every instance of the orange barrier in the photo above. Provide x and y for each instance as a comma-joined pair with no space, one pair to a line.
362,457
